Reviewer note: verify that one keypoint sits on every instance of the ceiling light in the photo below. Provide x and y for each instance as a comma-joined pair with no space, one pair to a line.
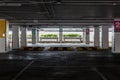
114,4
58,1
3,34
35,21
10,4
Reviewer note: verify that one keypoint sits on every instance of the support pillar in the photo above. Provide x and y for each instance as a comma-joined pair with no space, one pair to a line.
105,43
23,36
87,40
38,37
116,36
84,34
96,36
4,29
34,36
60,34
15,37
116,42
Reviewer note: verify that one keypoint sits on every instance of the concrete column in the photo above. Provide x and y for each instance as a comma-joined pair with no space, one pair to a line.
116,42
38,37
4,29
23,36
84,34
34,36
116,36
15,37
96,36
60,34
105,43
87,39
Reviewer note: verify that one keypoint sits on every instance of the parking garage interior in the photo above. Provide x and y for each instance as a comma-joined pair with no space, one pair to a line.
59,40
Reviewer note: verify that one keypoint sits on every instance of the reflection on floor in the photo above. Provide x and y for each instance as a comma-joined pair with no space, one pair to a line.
60,65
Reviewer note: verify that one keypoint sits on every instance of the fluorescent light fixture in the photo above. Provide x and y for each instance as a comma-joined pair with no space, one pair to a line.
35,21
58,1
10,4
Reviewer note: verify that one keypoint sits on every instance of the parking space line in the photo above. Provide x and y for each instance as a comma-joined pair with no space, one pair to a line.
26,67
99,73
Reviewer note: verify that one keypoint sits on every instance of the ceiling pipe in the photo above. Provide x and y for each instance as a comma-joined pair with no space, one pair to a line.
19,3
23,12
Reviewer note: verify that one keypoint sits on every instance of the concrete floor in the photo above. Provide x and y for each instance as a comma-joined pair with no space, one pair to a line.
60,65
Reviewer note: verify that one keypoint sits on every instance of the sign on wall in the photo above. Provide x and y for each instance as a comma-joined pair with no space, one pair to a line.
2,28
117,24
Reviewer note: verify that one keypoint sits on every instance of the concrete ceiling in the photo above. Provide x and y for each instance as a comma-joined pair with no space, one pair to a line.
24,11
